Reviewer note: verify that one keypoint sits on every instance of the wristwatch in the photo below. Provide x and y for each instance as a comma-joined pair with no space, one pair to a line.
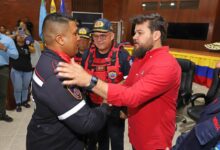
93,83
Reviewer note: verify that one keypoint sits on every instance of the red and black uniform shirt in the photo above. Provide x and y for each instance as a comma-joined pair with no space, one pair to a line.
62,115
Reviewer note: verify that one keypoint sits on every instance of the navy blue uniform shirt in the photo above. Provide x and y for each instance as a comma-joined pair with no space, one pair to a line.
61,116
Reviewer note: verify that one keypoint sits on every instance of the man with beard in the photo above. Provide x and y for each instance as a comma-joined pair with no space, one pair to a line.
150,90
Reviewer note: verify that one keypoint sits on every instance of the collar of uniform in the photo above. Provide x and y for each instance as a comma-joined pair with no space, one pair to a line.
79,54
62,55
155,51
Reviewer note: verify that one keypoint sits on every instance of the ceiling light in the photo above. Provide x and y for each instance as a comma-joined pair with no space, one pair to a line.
172,4
144,4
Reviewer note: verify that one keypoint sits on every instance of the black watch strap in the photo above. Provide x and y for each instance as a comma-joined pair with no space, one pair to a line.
93,83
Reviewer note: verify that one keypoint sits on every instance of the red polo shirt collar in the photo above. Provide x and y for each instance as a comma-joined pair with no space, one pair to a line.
63,56
156,50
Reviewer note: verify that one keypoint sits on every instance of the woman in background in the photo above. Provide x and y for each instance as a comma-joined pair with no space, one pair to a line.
21,73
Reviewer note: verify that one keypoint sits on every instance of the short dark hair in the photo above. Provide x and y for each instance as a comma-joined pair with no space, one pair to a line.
56,18
51,24
156,23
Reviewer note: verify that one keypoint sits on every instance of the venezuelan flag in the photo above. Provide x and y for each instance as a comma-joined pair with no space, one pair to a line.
62,7
205,66
52,7
43,14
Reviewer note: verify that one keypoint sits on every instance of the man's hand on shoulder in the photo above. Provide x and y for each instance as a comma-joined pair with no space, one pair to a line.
73,74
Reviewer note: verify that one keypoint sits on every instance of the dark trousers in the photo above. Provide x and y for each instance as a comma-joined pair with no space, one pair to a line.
4,77
113,130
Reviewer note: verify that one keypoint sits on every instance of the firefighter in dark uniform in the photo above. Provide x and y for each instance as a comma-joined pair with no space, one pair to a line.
61,116
206,133
83,44
109,62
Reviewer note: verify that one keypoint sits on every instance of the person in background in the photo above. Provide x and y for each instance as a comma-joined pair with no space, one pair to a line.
7,50
22,29
29,25
36,53
205,135
83,44
2,29
110,62
61,117
21,73
150,90
218,64
9,33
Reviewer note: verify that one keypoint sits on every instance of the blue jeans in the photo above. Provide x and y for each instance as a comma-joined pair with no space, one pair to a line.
21,81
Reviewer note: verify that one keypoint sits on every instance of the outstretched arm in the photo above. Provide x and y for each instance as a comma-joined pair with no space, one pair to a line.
76,75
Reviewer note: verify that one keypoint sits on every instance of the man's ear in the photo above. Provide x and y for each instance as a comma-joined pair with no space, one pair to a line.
112,35
156,35
59,39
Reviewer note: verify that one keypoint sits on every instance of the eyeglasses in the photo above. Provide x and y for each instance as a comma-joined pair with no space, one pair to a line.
100,36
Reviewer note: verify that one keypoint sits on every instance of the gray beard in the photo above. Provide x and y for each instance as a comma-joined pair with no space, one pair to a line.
140,52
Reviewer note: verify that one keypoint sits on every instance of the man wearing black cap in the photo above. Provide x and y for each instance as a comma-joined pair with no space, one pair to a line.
83,44
109,62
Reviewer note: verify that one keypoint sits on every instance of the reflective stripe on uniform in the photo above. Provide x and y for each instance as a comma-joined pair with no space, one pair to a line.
37,80
125,77
72,111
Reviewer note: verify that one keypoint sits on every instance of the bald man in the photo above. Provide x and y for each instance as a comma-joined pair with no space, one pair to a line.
61,116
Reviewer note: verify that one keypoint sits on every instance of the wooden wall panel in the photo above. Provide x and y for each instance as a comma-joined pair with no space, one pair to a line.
216,33
206,13
88,5
112,9
13,10
115,10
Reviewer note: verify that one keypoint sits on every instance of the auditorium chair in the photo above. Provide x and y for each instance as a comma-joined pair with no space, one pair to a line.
185,91
194,111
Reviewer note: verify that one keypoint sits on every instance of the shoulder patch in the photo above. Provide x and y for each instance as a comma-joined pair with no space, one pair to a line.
112,75
75,92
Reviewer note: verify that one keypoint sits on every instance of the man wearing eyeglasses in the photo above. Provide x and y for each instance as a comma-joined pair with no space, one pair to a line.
110,63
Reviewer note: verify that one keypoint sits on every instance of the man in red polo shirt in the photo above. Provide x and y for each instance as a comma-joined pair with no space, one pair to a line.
150,90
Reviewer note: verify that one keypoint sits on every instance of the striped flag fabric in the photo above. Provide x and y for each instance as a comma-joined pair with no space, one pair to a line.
53,7
62,7
43,14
